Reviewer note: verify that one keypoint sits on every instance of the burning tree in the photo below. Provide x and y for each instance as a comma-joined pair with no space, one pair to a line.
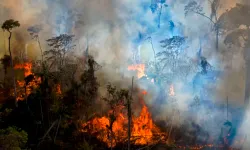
115,99
8,25
89,90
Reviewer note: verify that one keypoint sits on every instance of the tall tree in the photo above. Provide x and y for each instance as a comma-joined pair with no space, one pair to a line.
194,7
8,25
60,45
34,32
157,6
171,57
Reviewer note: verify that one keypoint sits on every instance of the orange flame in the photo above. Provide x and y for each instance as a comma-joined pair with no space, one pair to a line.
140,68
58,89
143,129
27,67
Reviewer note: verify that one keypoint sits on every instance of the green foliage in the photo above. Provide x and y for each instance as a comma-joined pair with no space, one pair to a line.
4,113
10,24
13,138
116,97
85,146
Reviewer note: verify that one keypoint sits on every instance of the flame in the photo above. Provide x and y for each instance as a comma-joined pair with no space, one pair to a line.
27,67
140,68
143,130
171,90
144,92
58,89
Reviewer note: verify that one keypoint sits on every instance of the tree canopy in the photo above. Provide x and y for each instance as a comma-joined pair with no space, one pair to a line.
10,24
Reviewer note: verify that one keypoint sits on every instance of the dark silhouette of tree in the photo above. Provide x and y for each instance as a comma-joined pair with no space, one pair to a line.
6,62
88,90
114,99
60,45
8,25
194,7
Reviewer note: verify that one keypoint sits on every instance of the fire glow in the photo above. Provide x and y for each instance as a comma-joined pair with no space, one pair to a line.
27,67
144,131
140,68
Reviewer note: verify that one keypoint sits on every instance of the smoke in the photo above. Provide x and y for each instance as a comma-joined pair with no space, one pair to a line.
111,30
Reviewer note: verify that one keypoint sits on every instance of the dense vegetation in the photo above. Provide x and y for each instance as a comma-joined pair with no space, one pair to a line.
48,103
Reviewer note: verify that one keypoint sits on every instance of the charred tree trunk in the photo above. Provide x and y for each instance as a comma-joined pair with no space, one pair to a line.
129,114
13,72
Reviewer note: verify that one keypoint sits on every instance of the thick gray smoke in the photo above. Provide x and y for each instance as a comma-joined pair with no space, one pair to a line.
108,27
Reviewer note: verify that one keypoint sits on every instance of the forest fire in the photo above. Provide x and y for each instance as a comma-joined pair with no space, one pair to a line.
143,130
27,67
140,68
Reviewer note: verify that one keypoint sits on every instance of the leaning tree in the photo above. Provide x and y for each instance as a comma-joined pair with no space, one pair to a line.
8,25
213,18
34,33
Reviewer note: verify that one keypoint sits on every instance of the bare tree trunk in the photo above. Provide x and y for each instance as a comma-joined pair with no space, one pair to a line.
13,72
42,139
38,40
57,128
217,39
129,115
